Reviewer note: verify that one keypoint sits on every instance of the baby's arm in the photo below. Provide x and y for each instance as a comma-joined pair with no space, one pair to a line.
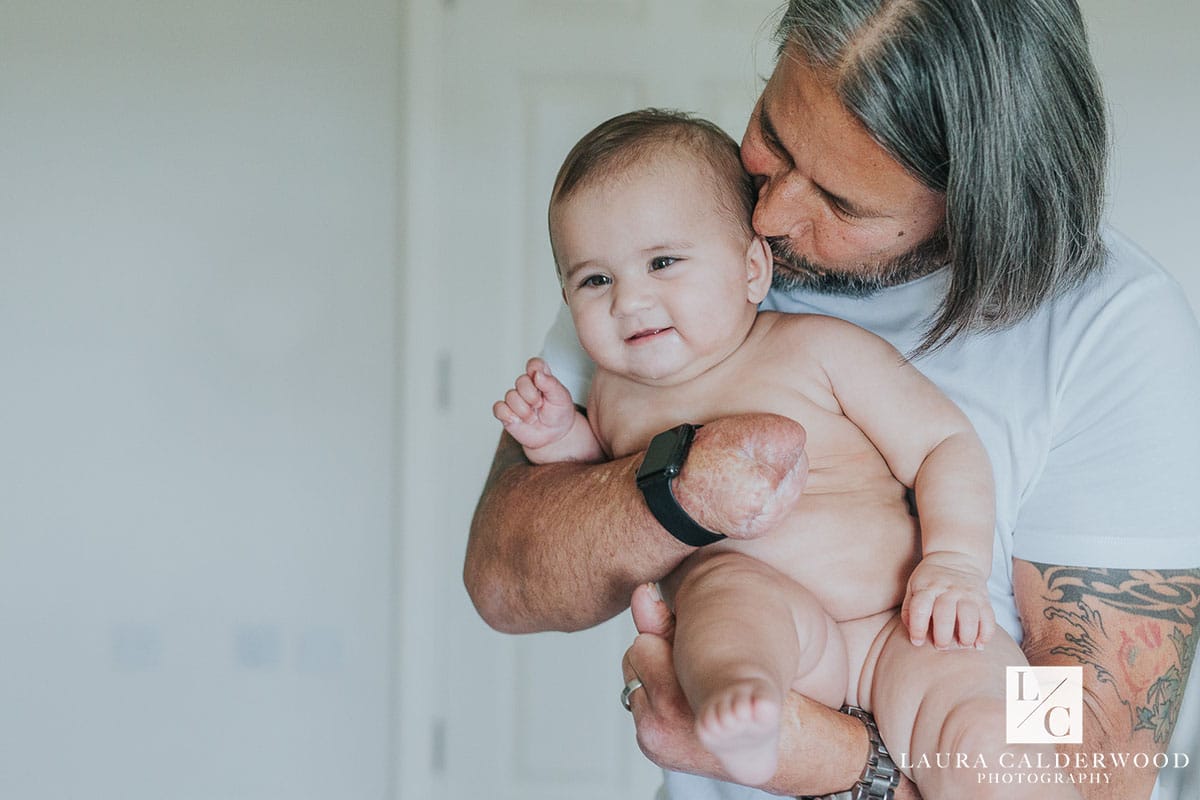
931,447
539,414
956,505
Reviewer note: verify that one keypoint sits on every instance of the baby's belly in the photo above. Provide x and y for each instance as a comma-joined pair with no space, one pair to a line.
854,550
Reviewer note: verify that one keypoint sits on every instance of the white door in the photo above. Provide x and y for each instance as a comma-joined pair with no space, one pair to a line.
520,80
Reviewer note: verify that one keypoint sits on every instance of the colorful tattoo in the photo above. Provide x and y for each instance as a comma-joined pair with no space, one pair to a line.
1166,602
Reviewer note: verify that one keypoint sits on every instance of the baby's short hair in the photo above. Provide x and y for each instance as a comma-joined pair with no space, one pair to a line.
618,144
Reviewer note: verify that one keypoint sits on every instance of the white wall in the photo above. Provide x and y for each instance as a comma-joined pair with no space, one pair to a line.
197,260
1150,65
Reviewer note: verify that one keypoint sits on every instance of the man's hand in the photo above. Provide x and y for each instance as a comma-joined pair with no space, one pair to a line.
744,474
821,751
666,727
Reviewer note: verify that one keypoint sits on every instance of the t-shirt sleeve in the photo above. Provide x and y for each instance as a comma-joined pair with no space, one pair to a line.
1121,482
568,362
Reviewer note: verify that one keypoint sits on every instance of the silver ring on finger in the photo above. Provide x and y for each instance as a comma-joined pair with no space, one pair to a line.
632,686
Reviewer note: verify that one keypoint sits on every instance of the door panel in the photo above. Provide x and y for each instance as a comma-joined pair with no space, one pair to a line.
538,716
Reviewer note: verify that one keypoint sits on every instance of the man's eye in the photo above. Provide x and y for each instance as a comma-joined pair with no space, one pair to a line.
595,280
662,262
845,212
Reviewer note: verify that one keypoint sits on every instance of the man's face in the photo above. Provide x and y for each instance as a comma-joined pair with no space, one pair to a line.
841,214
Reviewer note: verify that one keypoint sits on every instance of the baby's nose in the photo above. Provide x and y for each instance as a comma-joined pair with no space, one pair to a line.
630,298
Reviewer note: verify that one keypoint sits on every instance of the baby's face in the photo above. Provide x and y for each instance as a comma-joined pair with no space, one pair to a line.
659,281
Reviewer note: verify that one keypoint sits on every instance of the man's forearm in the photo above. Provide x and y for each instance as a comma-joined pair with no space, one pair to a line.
561,546
825,750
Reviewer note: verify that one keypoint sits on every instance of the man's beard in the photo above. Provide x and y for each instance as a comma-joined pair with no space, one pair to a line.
794,271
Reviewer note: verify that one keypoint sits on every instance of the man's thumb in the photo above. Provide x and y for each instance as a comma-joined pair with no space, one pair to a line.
650,613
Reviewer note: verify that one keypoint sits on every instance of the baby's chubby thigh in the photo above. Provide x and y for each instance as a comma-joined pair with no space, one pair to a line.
725,600
932,704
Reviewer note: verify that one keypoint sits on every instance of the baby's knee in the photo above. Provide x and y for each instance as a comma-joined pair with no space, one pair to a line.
975,727
725,570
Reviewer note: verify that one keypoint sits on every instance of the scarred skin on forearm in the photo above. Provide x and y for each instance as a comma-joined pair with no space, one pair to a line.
562,546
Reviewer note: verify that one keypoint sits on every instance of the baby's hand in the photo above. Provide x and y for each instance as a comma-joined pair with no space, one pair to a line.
538,410
948,595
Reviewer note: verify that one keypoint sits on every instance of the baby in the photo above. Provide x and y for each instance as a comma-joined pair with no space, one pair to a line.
662,272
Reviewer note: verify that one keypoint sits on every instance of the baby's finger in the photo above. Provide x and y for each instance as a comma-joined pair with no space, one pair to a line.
968,623
502,412
919,609
945,612
987,624
552,389
529,393
518,405
535,365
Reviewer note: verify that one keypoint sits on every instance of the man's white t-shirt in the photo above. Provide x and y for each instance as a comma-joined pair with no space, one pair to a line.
1090,412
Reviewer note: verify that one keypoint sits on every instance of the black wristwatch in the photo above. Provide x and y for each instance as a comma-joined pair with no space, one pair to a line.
664,459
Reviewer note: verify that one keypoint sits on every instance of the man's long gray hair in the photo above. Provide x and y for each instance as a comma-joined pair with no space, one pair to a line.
997,104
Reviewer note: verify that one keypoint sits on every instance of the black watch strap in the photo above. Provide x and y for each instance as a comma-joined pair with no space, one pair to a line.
664,459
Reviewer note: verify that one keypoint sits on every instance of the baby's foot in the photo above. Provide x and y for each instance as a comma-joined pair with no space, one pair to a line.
740,726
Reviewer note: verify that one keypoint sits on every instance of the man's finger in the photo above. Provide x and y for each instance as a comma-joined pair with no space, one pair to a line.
649,660
650,613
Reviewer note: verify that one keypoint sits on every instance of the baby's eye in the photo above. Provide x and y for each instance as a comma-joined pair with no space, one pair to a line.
595,280
662,262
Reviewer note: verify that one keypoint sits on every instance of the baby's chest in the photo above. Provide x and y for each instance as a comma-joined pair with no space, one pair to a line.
629,420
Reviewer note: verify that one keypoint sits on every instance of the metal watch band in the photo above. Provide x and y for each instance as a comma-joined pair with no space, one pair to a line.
880,776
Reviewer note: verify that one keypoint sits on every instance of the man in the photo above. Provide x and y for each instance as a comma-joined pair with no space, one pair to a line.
932,171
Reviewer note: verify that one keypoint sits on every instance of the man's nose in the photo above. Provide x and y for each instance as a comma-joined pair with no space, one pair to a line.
782,210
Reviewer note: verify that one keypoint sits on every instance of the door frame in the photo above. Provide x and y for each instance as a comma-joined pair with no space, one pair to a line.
415,700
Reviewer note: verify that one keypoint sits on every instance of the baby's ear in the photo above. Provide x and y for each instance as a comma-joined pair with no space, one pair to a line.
759,264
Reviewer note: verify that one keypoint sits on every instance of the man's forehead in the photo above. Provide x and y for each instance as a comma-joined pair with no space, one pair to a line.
802,116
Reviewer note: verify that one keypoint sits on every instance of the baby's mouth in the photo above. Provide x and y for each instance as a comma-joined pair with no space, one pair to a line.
646,334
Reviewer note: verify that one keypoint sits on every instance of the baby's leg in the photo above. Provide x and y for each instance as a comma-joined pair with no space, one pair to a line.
943,713
745,635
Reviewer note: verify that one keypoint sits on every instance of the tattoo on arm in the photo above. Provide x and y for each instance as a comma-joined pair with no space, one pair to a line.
1164,604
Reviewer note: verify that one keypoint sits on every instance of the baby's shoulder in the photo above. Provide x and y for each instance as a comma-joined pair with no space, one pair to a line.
811,332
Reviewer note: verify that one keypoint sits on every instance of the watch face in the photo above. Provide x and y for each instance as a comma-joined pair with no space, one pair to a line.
666,452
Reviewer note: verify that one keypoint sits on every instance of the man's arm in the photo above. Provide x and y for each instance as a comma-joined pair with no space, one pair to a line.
562,546
1134,632
536,560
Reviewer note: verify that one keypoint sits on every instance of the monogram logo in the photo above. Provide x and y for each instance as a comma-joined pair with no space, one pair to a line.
1044,705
